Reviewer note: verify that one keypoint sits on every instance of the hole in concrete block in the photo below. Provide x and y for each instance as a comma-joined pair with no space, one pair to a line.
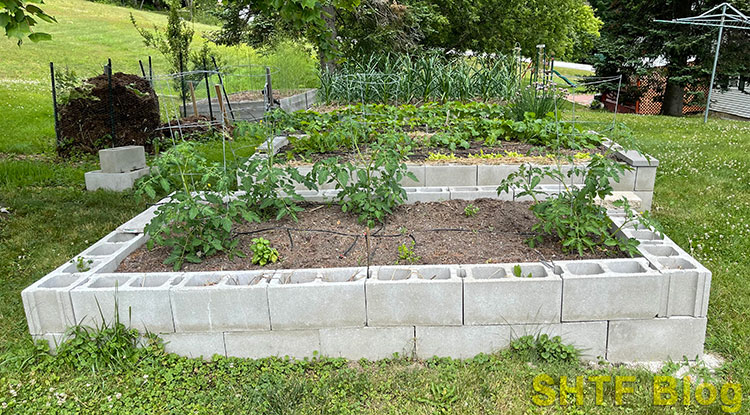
203,280
536,271
676,263
394,274
150,281
105,249
73,267
434,273
247,279
647,235
298,277
486,273
60,281
122,237
661,250
343,275
410,189
109,282
586,268
626,267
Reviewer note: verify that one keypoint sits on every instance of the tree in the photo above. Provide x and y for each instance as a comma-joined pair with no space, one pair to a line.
631,42
18,17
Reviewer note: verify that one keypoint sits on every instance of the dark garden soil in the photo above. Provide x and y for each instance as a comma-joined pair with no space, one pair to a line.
420,155
326,237
257,95
85,125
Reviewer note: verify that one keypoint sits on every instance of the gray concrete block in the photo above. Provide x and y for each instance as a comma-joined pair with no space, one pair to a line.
372,343
315,298
634,201
296,344
588,337
142,301
462,342
645,178
647,198
117,182
419,172
138,223
635,159
414,295
474,193
535,330
426,194
610,289
656,339
493,295
492,175
450,175
627,181
47,303
221,301
122,159
193,345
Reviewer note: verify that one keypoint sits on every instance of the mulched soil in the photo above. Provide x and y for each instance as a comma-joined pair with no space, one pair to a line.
419,155
326,237
256,95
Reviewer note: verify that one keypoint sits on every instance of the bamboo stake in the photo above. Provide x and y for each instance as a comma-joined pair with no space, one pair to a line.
221,105
192,96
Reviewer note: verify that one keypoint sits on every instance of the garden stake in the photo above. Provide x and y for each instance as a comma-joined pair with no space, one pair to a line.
111,101
182,88
150,72
143,71
221,81
192,97
221,105
208,93
54,103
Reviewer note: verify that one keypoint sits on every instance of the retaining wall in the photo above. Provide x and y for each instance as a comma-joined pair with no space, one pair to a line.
641,309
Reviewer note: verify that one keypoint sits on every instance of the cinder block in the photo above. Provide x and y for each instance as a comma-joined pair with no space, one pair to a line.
450,175
273,145
645,178
222,301
138,223
634,158
426,194
633,200
656,339
610,289
142,301
414,295
589,337
462,342
627,181
535,330
372,343
54,340
493,175
296,344
193,345
493,295
47,302
116,182
647,198
314,298
474,193
122,159
418,171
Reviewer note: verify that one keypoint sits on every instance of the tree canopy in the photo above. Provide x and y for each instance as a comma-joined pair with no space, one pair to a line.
17,18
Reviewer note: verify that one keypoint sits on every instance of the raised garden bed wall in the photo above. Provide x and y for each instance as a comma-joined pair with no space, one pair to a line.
639,309
445,181
255,110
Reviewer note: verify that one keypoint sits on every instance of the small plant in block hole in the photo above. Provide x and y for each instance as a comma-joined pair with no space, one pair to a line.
518,272
263,253
197,220
82,264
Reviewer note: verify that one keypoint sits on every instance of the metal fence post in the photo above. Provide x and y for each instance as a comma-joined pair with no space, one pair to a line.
54,104
111,102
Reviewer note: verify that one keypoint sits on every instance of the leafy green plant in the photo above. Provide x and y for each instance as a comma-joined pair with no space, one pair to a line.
82,264
442,397
372,187
263,253
470,210
543,348
518,272
406,254
18,17
573,215
197,219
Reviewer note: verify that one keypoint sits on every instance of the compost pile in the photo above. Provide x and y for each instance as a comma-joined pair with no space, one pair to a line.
85,125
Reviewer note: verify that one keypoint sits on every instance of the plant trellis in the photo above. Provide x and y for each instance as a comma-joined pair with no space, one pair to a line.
721,16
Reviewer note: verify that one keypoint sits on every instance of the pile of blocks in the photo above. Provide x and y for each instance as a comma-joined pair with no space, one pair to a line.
120,168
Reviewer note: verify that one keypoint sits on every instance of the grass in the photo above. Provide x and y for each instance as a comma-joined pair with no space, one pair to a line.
86,35
702,197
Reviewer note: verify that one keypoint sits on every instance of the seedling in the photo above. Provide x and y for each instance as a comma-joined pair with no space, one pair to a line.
470,210
263,254
406,254
82,264
518,272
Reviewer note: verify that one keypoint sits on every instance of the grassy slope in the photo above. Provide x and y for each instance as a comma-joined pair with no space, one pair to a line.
86,35
702,198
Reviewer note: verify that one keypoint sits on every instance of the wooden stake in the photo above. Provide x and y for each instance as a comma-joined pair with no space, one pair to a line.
221,105
192,96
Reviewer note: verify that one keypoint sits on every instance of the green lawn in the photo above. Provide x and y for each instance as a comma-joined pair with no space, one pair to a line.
702,197
86,35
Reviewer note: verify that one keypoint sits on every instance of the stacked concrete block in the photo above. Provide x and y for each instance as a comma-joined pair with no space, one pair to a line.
489,174
315,298
450,175
418,171
47,302
461,342
202,344
120,168
427,194
223,301
416,295
372,343
298,102
656,339
298,344
493,294
477,192
610,289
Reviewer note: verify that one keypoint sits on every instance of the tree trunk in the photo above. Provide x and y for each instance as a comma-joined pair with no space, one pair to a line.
673,99
329,15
